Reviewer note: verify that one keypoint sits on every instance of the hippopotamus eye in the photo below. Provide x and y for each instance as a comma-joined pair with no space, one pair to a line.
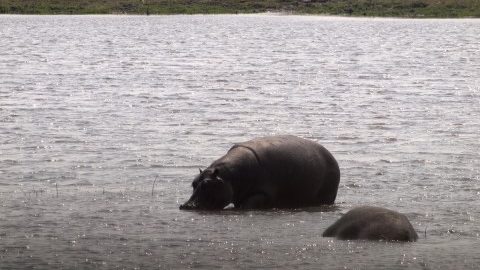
194,184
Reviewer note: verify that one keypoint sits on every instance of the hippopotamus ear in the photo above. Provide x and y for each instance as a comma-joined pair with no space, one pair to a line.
200,170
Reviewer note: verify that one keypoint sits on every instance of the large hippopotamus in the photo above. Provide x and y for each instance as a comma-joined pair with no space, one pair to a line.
372,223
268,172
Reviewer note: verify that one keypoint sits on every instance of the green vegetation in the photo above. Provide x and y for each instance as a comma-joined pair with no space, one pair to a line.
383,8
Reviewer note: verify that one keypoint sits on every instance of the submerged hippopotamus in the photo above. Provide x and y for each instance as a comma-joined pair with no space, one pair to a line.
372,223
268,172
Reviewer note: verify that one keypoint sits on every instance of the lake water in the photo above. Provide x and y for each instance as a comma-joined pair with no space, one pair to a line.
93,109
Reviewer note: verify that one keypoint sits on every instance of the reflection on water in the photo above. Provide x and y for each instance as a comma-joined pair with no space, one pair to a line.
93,108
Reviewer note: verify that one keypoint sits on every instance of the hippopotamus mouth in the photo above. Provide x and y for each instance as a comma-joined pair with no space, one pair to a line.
192,203
189,205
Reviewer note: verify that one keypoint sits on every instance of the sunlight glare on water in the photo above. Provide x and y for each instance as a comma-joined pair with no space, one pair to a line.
94,108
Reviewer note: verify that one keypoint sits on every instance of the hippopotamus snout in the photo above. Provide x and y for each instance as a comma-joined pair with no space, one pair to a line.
192,203
210,192
188,206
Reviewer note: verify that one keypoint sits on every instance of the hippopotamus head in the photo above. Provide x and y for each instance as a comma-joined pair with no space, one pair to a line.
210,192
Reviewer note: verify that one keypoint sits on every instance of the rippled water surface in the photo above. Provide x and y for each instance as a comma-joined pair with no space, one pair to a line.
94,108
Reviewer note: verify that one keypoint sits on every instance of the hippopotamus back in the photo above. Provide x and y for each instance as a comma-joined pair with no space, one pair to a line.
296,171
372,223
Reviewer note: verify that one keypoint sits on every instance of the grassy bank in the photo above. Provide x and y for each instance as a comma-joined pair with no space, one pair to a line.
383,8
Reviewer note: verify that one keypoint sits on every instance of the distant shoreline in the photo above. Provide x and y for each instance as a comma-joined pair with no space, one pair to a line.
266,14
354,8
